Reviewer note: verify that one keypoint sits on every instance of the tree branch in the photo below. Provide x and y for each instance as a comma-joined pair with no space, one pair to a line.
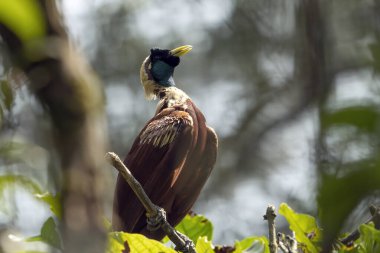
375,212
270,216
285,243
151,208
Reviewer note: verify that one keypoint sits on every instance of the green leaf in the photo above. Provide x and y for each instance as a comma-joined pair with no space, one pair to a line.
136,243
204,245
54,202
304,226
369,240
195,226
9,182
254,244
365,118
32,187
27,183
23,17
338,196
115,242
49,234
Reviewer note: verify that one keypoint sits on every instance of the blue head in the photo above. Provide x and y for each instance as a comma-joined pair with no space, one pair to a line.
162,66
163,63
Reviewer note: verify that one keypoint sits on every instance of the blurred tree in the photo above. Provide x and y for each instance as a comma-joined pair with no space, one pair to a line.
71,94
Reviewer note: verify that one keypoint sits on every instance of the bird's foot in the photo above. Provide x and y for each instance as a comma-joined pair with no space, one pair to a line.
189,244
154,222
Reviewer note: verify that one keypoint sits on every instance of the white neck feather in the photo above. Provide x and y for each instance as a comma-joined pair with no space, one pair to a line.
147,82
173,95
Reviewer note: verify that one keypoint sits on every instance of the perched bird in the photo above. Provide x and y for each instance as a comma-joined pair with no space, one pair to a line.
173,155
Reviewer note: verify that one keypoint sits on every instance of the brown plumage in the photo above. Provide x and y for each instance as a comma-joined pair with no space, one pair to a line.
172,157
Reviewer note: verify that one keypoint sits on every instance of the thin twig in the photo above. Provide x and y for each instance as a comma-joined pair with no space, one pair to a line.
283,247
270,216
293,245
151,209
287,243
375,212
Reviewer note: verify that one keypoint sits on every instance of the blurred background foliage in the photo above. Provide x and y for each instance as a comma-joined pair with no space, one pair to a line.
291,87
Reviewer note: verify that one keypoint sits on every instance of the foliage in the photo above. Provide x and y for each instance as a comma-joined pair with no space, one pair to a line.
370,240
195,226
253,244
305,227
53,202
24,17
32,187
349,180
49,234
308,235
204,245
136,243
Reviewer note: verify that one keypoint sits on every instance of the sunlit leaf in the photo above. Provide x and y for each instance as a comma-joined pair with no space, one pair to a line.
369,240
204,245
195,226
53,202
137,243
305,227
252,244
23,17
365,118
49,234
116,242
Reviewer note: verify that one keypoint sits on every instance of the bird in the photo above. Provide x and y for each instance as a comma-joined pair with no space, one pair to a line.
173,155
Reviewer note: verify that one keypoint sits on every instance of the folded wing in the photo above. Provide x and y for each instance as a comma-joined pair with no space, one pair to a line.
155,159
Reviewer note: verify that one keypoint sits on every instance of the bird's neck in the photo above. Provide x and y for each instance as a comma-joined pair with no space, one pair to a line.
171,97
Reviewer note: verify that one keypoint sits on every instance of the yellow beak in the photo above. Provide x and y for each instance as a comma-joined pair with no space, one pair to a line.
180,51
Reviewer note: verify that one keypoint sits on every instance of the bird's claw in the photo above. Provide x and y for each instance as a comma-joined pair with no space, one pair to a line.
154,222
189,244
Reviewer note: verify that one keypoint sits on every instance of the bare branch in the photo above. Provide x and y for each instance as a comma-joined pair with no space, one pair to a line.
270,216
151,208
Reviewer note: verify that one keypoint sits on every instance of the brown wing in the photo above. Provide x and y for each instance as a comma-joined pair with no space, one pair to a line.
155,159
201,168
